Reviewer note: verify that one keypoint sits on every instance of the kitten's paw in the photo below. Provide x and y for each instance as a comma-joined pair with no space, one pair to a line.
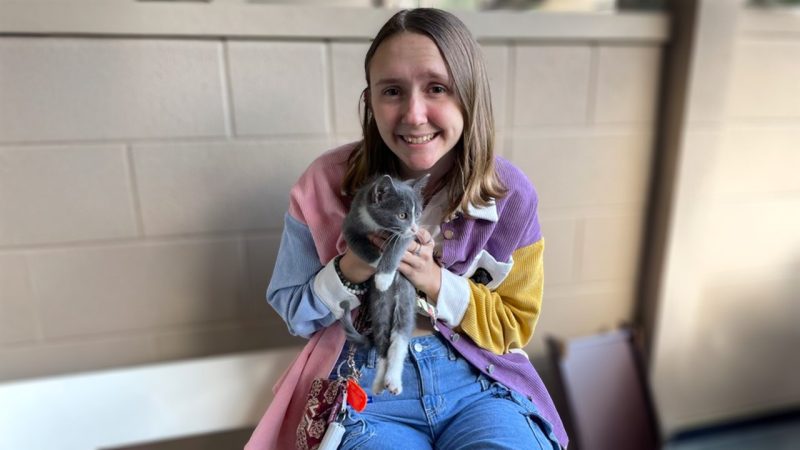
384,280
377,387
394,386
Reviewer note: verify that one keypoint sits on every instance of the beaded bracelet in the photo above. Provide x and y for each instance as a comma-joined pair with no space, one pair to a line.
349,286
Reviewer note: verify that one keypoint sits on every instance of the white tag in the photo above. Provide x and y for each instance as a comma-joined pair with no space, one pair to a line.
333,437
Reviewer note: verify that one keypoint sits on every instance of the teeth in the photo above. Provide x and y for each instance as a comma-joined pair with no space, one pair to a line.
420,139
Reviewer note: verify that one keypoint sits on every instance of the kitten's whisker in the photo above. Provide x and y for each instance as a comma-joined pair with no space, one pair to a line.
390,241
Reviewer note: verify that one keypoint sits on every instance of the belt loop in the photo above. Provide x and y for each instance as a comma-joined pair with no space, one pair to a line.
484,382
450,352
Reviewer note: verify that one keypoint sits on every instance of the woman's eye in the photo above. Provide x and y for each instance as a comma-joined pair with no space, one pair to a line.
439,89
402,215
391,92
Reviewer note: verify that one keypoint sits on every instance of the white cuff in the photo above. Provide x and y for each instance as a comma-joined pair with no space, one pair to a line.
453,298
331,291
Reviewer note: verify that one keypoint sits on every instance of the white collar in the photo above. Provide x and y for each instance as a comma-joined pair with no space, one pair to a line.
488,212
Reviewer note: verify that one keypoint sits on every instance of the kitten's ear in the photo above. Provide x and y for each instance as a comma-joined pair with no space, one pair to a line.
419,185
382,186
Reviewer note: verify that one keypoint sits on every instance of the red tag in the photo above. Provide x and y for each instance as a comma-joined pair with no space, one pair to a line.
356,396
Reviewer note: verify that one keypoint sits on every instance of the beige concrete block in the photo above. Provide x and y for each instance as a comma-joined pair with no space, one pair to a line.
764,79
50,194
72,88
611,247
708,73
572,311
74,356
742,236
347,64
200,341
551,85
279,87
17,311
588,169
559,253
757,161
496,58
752,316
135,287
502,147
627,84
188,188
260,253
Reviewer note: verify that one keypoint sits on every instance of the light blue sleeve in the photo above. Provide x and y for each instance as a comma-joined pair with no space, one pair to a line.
290,290
304,293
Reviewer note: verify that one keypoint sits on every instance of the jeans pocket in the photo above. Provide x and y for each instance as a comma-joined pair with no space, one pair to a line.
540,427
357,431
542,431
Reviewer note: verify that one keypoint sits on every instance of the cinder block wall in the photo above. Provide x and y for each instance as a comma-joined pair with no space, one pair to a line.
143,182
727,320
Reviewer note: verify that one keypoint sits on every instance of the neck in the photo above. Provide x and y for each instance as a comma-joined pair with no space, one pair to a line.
438,175
432,188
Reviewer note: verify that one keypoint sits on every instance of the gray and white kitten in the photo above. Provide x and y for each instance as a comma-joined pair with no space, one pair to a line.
392,208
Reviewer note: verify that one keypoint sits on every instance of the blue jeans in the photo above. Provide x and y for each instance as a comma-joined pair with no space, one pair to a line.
445,404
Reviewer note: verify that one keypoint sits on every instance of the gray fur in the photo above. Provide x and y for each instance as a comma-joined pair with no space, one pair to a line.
377,208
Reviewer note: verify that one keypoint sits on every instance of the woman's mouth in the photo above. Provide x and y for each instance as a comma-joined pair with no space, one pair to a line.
425,138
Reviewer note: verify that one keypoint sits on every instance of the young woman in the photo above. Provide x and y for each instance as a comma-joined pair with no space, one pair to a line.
467,384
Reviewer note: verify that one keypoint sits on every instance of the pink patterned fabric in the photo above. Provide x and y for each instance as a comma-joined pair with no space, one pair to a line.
277,428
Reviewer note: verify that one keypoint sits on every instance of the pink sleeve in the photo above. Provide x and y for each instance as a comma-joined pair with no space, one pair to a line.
316,201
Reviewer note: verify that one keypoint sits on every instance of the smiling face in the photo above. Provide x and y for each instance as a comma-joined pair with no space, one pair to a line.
414,104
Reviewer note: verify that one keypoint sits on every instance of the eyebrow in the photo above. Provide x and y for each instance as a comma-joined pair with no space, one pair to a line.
428,75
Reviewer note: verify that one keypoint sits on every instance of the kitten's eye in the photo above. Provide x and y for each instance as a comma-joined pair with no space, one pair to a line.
402,215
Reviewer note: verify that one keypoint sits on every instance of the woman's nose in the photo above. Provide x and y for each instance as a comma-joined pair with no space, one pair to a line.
415,111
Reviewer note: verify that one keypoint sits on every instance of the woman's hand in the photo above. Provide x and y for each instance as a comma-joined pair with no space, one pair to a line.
355,269
419,266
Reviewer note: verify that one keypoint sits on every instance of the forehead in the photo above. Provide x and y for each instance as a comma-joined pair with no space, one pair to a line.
407,56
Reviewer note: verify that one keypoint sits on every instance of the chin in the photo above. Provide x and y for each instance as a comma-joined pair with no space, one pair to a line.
420,166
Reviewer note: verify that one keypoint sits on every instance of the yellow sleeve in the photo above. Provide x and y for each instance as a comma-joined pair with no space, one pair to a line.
503,319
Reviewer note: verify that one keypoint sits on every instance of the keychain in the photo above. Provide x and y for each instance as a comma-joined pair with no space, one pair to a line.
335,432
353,395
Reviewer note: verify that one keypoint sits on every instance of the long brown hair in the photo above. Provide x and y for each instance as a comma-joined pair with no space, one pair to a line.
473,178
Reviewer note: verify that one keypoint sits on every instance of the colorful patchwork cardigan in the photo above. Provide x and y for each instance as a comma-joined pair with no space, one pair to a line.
488,304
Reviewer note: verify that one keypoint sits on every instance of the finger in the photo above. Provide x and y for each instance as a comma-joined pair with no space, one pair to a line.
423,236
376,240
405,268
410,261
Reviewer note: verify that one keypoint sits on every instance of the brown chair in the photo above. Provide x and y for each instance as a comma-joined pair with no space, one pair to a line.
608,399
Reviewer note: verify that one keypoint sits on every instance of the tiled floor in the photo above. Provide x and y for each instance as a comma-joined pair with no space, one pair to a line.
230,440
776,434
